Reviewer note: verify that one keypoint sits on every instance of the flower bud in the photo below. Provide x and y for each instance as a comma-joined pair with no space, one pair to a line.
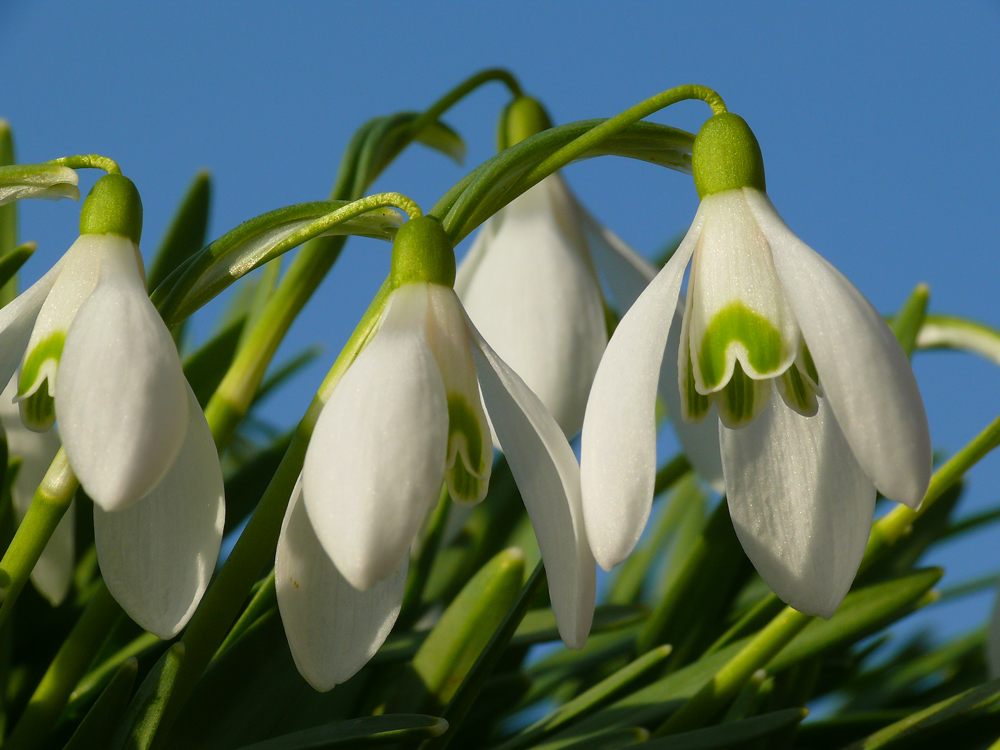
521,119
113,207
726,156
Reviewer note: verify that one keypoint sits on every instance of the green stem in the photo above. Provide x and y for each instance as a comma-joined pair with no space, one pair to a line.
670,473
88,161
420,568
50,502
466,206
65,671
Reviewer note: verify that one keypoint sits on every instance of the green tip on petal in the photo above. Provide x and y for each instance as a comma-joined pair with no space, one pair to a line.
521,119
113,207
422,253
726,156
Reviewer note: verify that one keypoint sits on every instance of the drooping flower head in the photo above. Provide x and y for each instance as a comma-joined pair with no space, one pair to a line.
531,285
817,404
406,418
95,356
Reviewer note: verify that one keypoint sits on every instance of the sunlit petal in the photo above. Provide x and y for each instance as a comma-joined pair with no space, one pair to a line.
800,503
535,297
375,463
548,477
332,628
158,555
618,447
120,396
862,369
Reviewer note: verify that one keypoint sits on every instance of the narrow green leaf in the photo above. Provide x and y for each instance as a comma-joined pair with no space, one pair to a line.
539,625
735,734
928,728
11,262
8,213
626,678
207,366
186,234
443,138
367,731
287,369
970,523
611,739
142,717
453,645
94,732
245,486
953,332
839,730
908,321
98,677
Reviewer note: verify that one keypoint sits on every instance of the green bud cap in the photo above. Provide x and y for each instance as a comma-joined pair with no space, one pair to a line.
423,253
521,119
726,156
113,207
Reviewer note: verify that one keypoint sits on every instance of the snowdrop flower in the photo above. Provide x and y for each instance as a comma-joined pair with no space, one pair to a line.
817,405
53,572
96,356
530,284
406,417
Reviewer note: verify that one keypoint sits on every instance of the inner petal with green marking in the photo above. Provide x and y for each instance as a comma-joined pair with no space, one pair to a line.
738,333
468,458
37,384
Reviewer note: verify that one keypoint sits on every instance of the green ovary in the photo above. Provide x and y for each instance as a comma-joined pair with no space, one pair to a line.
464,475
737,322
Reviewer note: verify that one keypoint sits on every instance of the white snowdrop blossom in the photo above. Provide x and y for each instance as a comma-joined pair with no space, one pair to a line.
53,573
95,356
406,418
531,285
816,403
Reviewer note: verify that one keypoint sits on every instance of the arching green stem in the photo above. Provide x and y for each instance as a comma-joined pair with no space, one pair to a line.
88,161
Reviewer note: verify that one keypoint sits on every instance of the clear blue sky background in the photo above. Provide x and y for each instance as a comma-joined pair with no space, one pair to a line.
878,123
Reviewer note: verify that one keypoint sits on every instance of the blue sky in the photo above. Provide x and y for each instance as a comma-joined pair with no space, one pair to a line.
878,124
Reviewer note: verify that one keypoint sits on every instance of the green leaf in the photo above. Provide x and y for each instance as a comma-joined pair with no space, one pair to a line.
364,732
11,262
539,625
597,697
441,137
837,731
94,732
953,332
908,321
206,367
280,374
100,675
186,234
737,734
142,717
931,727
453,645
611,739
245,486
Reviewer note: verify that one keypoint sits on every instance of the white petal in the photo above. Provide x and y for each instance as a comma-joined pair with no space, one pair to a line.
548,478
53,572
626,272
158,555
17,319
862,369
40,181
801,506
699,441
618,447
375,463
332,628
737,310
120,396
535,297
470,444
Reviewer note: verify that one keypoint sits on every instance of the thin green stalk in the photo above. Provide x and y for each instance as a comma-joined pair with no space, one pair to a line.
50,502
470,200
65,671
88,161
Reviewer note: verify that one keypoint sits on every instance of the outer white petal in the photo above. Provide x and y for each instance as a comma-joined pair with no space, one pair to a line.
800,503
862,369
618,447
120,397
535,297
332,628
17,319
158,555
626,272
376,460
699,441
53,572
469,266
548,478
732,273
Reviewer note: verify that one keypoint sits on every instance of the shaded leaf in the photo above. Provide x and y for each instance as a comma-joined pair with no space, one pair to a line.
364,732
94,732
